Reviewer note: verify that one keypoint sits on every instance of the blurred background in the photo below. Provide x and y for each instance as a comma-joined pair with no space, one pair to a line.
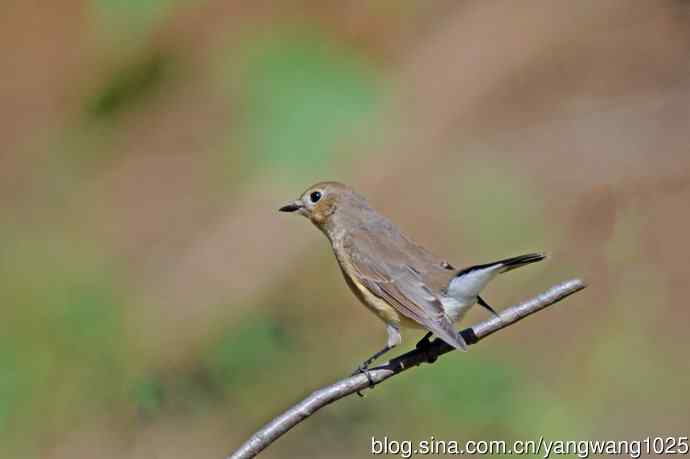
155,303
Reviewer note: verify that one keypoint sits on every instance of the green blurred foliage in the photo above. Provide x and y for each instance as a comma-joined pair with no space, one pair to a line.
235,361
304,97
148,395
130,87
62,340
250,350
476,392
13,381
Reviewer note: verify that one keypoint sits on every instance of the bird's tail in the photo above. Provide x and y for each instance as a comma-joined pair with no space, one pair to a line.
516,262
502,266
469,282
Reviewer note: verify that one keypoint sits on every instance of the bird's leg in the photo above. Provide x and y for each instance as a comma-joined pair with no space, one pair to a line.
394,339
424,344
364,366
484,304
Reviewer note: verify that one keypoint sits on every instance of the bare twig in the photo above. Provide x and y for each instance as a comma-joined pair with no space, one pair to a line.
329,394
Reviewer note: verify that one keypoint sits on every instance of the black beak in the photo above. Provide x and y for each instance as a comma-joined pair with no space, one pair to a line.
292,207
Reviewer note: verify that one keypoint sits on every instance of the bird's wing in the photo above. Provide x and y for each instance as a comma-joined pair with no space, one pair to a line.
388,273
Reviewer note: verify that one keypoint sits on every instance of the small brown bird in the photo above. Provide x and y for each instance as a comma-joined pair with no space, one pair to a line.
399,281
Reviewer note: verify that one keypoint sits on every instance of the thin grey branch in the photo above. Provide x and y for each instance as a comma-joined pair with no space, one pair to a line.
329,394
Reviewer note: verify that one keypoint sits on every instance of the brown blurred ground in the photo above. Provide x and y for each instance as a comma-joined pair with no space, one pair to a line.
156,304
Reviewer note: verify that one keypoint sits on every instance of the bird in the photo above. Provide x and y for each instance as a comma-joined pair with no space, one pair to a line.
401,282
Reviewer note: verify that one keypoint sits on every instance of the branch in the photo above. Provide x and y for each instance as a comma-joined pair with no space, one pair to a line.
329,394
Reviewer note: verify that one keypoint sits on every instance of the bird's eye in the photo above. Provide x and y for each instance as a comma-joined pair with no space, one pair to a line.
315,196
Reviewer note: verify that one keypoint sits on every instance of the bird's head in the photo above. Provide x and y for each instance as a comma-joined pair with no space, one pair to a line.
320,203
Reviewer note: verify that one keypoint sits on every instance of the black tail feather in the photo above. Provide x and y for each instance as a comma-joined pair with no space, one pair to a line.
522,260
508,263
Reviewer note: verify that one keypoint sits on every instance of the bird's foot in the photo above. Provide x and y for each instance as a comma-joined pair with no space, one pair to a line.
423,345
364,369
